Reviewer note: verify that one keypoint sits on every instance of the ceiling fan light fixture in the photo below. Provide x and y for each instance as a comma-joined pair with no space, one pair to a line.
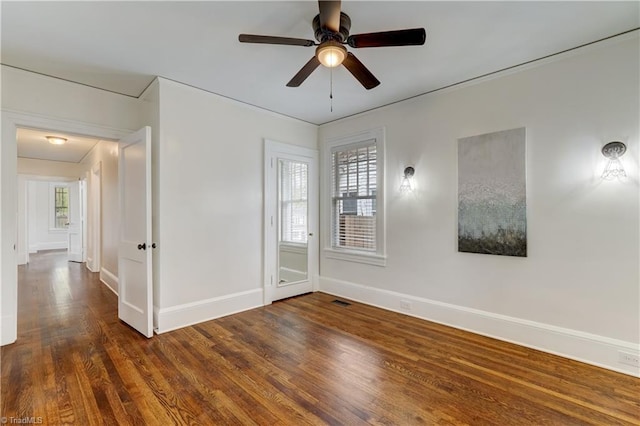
331,29
56,140
331,53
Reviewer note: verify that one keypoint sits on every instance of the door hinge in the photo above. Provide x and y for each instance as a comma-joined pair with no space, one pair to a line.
271,279
271,220
272,162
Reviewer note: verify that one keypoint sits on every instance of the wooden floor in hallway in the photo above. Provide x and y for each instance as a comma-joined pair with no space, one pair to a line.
304,360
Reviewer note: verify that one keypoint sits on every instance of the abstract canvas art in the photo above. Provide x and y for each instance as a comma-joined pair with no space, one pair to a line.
492,204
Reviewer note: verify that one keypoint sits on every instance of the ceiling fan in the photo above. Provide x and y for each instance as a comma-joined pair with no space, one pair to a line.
331,27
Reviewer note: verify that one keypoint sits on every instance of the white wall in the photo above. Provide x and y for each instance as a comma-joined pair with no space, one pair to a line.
580,280
24,91
210,202
34,167
37,101
106,153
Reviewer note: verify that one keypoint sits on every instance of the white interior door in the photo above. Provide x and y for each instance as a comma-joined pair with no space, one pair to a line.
291,224
135,284
75,228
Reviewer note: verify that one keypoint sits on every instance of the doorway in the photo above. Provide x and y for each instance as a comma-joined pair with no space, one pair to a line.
291,220
11,122
50,216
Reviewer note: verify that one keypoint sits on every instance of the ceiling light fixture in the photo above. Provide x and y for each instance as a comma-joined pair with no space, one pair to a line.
55,140
331,53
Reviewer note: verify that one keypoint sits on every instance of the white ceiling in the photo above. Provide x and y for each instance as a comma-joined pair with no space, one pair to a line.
122,46
34,144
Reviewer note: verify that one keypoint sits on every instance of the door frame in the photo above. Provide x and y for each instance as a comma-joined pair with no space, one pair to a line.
76,189
83,213
270,262
11,121
94,217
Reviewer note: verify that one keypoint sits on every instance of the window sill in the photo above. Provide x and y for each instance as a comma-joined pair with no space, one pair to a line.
355,256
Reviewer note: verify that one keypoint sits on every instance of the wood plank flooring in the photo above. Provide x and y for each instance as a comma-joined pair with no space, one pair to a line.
300,361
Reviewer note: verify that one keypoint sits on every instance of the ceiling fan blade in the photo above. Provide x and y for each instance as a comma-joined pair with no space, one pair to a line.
305,72
330,15
251,38
410,37
360,72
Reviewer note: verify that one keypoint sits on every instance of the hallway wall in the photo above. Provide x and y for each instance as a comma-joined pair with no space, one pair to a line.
106,153
45,168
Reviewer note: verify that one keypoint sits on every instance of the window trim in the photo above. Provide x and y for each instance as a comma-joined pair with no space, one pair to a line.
52,206
377,257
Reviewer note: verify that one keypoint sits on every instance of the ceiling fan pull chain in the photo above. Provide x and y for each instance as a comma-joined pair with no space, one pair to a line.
331,87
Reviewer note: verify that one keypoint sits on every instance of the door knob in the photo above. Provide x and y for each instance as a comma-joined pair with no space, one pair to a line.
142,246
311,234
153,245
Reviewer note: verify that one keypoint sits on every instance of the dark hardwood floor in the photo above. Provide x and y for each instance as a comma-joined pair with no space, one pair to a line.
300,361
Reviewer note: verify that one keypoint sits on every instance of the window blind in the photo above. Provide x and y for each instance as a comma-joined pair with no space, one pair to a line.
354,171
293,201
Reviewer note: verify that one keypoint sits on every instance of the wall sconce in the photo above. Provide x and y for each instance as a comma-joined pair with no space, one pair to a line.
614,169
55,140
406,181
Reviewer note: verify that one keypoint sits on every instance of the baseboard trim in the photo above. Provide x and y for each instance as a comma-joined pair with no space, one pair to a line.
573,344
89,264
9,330
175,317
60,245
109,279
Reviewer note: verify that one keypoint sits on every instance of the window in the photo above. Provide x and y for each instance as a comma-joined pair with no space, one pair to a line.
293,201
354,187
354,197
60,207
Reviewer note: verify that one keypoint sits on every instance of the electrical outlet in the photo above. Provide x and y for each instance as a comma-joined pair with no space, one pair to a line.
629,359
405,305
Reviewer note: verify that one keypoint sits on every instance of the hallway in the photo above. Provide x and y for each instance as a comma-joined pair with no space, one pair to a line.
304,360
62,310
59,298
